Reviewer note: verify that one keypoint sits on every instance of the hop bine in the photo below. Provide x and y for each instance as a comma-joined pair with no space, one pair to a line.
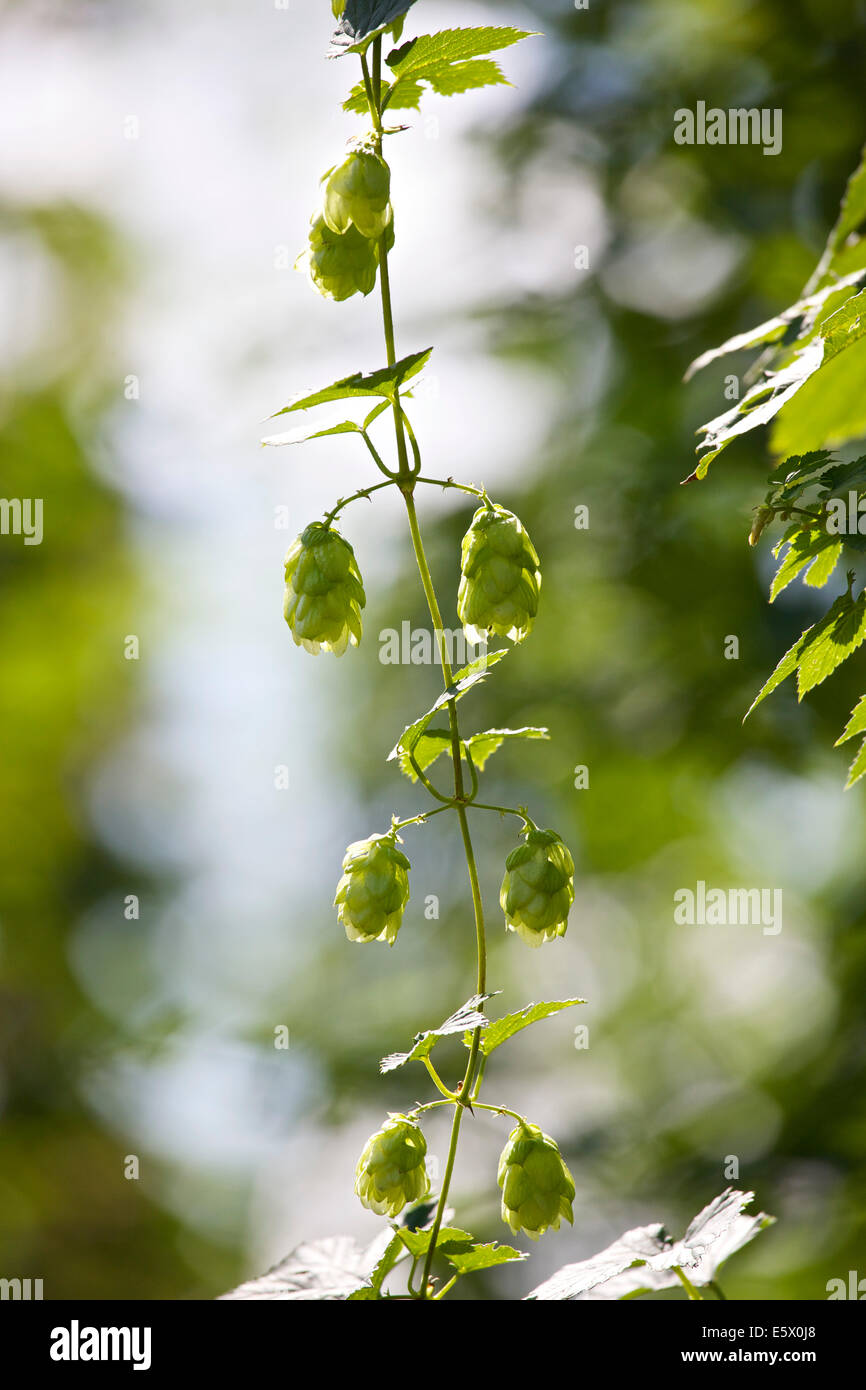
391,1171
324,594
538,887
374,890
500,578
537,1188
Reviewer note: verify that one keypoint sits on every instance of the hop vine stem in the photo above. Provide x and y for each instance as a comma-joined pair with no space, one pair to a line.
406,479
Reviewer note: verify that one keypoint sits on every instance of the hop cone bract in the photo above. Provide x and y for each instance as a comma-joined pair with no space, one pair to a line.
324,594
339,265
538,887
537,1188
357,193
391,1171
374,889
500,578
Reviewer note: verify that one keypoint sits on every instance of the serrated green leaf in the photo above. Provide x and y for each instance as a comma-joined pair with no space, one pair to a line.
427,749
501,1029
482,746
789,480
384,382
839,333
856,724
646,1258
857,768
464,681
482,1257
434,742
451,1240
362,21
852,216
301,435
786,328
450,62
810,550
469,1015
821,648
845,477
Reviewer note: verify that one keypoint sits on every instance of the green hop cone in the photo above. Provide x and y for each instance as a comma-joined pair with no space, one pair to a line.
374,890
538,887
339,265
324,594
357,193
537,1188
391,1171
500,578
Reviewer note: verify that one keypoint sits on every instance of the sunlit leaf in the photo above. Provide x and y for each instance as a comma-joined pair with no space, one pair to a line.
469,1015
384,382
501,1029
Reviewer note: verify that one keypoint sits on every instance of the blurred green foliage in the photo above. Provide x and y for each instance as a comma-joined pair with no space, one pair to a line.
68,1215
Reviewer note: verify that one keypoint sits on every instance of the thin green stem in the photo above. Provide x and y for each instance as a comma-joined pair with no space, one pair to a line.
383,468
437,1080
500,1110
449,482
425,782
355,497
502,810
716,1288
421,817
445,1287
407,477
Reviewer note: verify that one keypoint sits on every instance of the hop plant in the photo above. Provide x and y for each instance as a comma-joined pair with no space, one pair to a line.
500,578
324,594
357,193
391,1171
538,887
339,265
537,1188
374,890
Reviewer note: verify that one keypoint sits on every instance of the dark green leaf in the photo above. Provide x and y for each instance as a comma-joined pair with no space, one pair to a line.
363,21
821,648
811,552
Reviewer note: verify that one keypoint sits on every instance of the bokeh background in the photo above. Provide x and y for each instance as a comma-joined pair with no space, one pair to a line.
157,169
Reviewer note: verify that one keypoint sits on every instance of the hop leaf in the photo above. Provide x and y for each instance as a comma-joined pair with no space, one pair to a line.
391,1171
538,887
339,264
537,1188
374,890
500,578
357,193
324,594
